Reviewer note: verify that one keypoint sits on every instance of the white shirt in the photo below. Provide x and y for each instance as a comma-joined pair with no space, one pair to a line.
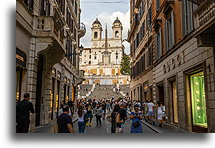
150,106
81,119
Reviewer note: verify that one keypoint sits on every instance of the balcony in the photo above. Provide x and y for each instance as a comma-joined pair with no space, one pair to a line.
49,38
82,30
204,17
80,77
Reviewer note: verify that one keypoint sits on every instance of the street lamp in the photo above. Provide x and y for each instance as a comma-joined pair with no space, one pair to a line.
81,48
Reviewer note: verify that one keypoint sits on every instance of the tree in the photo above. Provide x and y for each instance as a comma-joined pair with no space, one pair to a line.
125,65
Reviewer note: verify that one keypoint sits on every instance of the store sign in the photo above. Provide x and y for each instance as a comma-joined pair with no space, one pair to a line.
174,62
20,58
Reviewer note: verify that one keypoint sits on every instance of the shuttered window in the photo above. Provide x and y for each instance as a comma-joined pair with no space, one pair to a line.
187,16
157,5
169,30
158,42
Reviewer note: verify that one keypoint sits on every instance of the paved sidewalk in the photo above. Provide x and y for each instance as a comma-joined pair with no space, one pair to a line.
167,128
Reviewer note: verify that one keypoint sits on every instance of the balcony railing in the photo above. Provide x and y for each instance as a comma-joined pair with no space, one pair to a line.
198,2
205,13
46,27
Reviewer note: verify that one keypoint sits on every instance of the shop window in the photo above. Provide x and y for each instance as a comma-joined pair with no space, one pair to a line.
197,88
18,84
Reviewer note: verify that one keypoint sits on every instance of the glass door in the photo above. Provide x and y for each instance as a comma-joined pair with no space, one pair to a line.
197,84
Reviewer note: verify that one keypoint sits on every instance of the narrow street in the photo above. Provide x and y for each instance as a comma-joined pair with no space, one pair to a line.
157,55
106,128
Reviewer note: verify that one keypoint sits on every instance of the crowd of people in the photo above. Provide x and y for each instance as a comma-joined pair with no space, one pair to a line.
112,110
117,111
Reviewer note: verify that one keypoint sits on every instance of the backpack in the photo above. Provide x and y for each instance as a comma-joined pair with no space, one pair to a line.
85,118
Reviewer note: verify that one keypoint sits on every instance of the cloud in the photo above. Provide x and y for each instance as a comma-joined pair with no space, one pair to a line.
108,19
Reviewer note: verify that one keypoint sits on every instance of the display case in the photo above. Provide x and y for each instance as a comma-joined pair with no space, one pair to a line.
198,100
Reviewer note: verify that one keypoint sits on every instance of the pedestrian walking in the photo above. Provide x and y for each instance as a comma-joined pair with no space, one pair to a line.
81,119
145,111
98,113
108,106
64,121
123,116
160,113
61,110
114,118
136,117
89,114
23,110
151,112
104,106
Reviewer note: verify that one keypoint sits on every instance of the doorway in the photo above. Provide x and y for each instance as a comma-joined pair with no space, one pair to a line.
174,100
161,93
39,89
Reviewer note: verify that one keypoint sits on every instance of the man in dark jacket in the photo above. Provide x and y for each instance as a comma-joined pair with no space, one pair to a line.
64,122
23,110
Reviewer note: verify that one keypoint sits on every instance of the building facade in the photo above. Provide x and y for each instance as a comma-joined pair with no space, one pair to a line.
101,62
140,38
47,55
183,62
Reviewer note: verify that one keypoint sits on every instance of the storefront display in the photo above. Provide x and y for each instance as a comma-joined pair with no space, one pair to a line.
20,67
175,102
198,100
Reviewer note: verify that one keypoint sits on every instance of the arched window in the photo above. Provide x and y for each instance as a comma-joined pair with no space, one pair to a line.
117,34
95,35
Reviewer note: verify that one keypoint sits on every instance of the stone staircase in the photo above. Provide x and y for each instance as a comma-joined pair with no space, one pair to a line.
103,91
84,90
125,90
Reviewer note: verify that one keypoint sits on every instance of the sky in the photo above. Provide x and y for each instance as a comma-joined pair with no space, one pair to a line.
106,12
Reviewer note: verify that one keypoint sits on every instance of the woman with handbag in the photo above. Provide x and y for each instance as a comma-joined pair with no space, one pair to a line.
114,118
136,117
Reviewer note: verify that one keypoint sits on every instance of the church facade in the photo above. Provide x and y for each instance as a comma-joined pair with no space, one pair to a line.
101,62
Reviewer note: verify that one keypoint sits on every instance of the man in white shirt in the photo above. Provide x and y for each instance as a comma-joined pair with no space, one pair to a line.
151,111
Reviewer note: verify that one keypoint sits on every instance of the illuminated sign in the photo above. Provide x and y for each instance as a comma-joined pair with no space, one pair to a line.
20,58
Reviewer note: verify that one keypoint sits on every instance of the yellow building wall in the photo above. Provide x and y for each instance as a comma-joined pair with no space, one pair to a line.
94,71
113,72
101,72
